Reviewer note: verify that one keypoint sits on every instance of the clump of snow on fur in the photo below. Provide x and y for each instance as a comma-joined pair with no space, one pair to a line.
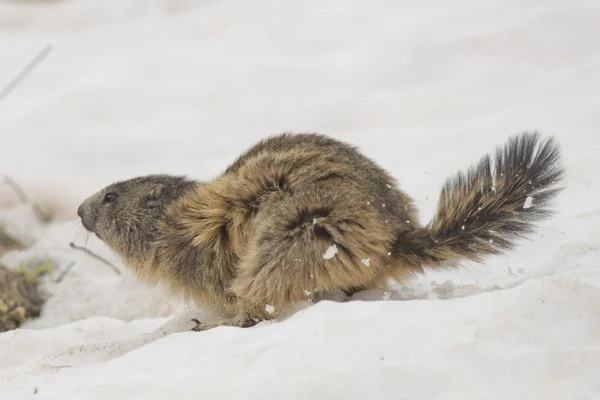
270,309
528,202
331,251
366,261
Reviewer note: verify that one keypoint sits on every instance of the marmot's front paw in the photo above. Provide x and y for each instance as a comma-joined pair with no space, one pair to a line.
235,322
199,326
204,326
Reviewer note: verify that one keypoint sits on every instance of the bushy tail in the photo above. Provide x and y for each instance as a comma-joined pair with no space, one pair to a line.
487,209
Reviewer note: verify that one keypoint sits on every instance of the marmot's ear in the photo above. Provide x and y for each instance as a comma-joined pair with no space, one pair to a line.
155,194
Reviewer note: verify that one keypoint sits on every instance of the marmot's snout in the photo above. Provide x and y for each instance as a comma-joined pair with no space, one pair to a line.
80,212
87,219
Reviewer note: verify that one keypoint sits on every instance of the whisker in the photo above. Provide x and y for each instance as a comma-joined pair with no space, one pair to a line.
76,225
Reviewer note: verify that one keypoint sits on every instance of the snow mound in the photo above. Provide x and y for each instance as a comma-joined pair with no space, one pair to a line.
538,340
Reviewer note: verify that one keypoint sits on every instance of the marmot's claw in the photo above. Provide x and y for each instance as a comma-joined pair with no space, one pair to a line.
198,326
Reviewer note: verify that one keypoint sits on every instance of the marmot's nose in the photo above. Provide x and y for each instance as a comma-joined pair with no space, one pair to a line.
80,211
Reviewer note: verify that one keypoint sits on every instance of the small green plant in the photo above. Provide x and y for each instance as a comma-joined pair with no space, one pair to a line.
30,270
20,299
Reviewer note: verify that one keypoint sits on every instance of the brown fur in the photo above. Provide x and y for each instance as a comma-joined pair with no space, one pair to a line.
253,239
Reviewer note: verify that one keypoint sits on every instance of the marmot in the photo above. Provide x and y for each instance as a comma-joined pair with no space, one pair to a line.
303,212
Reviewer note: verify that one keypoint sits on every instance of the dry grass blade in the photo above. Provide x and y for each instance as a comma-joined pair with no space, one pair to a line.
96,256
8,243
12,85
23,198
65,272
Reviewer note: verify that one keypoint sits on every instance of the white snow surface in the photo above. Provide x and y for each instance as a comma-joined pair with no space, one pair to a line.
424,88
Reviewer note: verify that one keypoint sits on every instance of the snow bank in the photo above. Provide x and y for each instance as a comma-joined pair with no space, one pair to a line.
138,87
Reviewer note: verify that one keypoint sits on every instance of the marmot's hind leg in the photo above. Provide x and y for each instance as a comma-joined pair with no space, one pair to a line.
326,238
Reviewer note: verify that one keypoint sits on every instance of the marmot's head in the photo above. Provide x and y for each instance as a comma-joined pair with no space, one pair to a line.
125,214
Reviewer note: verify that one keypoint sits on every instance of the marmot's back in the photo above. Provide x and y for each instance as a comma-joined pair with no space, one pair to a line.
292,161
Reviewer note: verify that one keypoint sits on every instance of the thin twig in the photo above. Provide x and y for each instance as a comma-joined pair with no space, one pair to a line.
65,272
23,198
19,192
24,72
96,256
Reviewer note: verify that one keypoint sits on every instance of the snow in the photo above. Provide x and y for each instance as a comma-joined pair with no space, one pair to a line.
528,202
424,88
330,252
270,309
366,261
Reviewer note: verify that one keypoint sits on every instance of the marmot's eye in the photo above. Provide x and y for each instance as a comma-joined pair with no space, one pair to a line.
110,197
